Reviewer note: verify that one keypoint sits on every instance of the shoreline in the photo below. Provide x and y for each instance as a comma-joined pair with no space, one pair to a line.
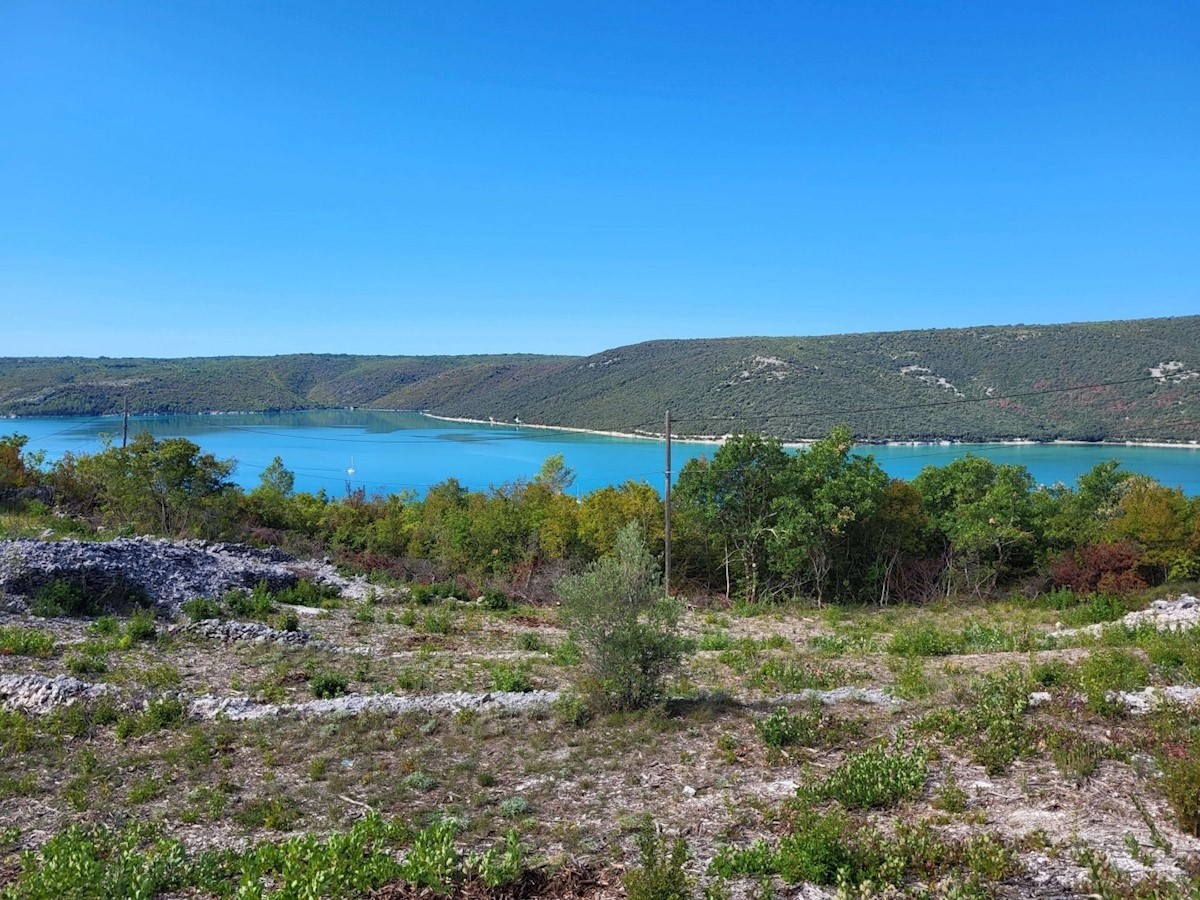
714,440
719,440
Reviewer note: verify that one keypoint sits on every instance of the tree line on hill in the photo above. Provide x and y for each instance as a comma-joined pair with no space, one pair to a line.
754,523
1122,380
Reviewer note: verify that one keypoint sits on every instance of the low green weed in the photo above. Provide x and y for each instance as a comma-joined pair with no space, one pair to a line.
327,685
510,678
18,641
783,728
660,874
1107,670
878,777
166,712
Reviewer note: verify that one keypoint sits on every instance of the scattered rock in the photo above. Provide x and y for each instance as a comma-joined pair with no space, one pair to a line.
1165,615
38,695
873,696
169,572
1149,699
230,632
241,708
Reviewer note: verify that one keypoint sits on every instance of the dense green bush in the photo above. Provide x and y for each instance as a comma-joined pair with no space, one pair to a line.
660,874
627,631
878,777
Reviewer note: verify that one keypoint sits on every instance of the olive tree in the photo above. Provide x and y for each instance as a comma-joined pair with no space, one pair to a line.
626,628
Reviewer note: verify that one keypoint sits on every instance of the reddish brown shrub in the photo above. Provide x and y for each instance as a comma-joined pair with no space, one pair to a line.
1107,568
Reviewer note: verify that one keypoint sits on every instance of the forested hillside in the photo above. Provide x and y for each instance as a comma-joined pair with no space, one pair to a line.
1125,380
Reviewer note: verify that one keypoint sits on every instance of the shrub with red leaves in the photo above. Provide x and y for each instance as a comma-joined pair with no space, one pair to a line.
1104,568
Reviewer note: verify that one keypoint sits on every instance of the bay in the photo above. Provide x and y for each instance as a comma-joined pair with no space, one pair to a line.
395,451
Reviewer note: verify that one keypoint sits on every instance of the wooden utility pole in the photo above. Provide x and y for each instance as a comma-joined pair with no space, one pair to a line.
125,422
667,510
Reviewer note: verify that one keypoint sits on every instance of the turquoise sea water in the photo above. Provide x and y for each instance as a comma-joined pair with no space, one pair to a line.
391,451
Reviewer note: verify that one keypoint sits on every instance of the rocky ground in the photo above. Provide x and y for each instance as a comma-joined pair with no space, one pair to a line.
227,732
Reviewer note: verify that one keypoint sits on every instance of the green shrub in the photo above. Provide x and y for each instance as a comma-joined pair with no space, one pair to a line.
287,621
784,729
571,709
513,678
1181,785
199,609
18,641
660,875
530,642
106,626
627,632
141,626
878,777
818,847
63,597
1108,670
327,685
494,599
496,868
431,861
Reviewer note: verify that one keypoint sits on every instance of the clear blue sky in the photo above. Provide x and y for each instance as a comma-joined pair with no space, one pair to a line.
439,177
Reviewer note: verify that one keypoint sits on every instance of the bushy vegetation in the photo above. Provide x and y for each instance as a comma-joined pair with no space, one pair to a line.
136,862
754,522
627,630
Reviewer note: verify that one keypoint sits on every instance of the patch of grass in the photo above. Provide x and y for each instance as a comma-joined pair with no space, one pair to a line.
274,813
660,874
714,640
159,714
912,683
1181,786
876,778
798,674
18,641
1105,671
327,685
511,678
199,609
86,663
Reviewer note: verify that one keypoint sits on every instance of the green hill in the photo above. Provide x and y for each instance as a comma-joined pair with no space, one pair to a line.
1124,380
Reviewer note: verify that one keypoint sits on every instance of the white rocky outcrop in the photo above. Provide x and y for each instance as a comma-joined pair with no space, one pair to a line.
170,572
38,694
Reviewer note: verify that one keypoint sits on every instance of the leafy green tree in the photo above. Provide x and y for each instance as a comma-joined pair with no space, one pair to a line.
17,469
166,486
986,516
1157,519
268,502
627,630
733,498
823,516
604,512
